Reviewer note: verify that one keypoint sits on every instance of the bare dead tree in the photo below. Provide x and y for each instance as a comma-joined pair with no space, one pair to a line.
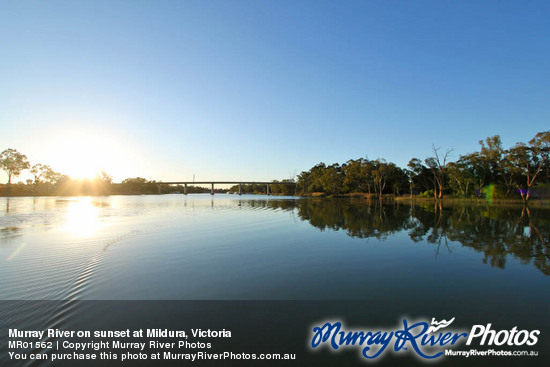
438,164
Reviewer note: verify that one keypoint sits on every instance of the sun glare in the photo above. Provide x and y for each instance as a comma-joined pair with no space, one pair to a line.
82,218
82,166
85,156
83,159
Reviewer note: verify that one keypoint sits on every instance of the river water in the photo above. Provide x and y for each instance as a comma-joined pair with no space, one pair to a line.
482,261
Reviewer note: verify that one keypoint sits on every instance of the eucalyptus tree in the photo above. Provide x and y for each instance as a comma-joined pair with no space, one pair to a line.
437,165
42,171
419,175
352,175
358,175
367,177
104,178
527,161
382,173
461,176
540,144
312,180
13,163
491,155
332,179
302,185
398,179
317,182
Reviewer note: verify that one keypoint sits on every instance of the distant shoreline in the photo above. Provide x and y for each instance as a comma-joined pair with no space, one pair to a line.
416,199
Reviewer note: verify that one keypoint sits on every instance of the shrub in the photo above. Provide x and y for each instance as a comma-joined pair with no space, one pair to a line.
427,194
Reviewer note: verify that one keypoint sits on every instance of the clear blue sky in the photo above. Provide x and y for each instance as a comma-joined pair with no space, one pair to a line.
263,89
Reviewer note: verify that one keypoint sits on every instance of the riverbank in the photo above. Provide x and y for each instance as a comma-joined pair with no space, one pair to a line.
445,199
21,190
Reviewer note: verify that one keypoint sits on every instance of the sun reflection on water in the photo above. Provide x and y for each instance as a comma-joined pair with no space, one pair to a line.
82,218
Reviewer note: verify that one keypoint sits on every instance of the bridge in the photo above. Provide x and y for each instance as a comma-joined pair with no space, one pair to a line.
240,183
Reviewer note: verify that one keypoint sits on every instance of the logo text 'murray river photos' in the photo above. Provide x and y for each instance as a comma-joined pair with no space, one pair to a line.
427,341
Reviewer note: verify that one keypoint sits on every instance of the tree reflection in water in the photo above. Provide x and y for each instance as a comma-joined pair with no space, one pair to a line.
495,231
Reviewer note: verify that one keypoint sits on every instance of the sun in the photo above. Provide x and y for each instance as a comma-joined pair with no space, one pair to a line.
83,156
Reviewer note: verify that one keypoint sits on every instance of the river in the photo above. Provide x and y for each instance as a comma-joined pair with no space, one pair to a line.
481,263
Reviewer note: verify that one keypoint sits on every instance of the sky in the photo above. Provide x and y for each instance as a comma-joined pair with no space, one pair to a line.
263,90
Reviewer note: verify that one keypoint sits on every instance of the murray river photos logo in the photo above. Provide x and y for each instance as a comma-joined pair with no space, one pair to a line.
428,341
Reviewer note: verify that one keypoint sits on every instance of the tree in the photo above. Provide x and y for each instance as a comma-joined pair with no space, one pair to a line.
437,165
302,186
475,163
461,176
399,179
419,175
13,163
491,155
381,173
53,177
278,187
316,174
352,175
40,171
104,178
358,175
540,145
332,179
527,162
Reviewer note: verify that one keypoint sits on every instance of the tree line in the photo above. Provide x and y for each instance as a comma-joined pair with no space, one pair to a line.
493,172
46,181
277,187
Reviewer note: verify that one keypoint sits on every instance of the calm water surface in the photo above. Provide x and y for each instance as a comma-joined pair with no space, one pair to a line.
226,247
470,260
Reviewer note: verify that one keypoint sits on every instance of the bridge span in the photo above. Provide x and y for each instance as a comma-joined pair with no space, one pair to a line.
240,183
